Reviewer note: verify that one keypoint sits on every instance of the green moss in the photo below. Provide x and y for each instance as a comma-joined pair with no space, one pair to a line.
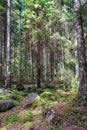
38,111
25,115
69,112
82,121
16,97
21,93
83,118
65,96
38,102
4,97
46,94
28,125
15,102
72,110
46,101
3,128
11,118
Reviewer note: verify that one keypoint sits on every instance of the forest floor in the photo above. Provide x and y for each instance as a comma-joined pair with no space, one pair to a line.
57,110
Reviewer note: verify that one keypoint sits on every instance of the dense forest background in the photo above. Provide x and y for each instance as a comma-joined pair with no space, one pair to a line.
38,42
43,44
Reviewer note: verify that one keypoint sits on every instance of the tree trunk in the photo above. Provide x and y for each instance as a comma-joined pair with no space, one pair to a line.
81,52
44,63
38,65
52,64
31,61
0,47
20,48
62,57
77,66
38,52
8,49
5,41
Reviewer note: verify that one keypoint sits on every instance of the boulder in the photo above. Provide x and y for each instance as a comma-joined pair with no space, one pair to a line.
50,115
3,91
32,99
5,105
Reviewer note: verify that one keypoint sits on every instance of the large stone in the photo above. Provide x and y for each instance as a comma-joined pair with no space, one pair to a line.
5,105
3,91
50,115
32,99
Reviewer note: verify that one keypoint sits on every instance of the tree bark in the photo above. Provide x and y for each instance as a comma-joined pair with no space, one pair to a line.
38,52
31,61
52,64
20,48
44,63
0,47
8,48
62,57
81,52
5,41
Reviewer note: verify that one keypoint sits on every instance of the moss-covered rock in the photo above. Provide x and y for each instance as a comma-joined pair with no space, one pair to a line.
37,102
25,115
32,100
5,105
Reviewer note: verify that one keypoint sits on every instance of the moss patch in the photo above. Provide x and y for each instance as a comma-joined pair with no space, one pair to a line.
28,125
25,115
46,94
11,118
3,128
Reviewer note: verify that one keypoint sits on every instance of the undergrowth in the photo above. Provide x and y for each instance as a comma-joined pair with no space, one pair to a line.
49,100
